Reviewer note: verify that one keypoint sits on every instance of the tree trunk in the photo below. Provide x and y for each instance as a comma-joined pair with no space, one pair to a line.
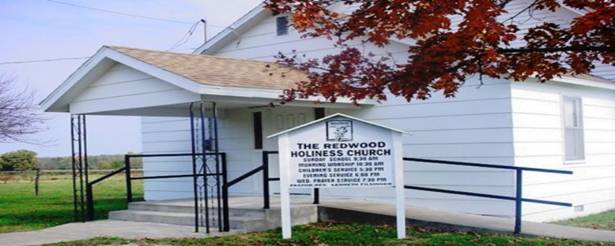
36,179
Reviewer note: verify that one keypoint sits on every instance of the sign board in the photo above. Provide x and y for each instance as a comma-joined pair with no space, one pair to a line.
340,151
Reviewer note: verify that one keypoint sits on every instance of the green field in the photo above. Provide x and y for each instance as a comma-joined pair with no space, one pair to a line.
602,221
21,210
344,234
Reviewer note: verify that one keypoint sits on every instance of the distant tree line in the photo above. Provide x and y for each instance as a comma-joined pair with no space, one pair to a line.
26,160
94,162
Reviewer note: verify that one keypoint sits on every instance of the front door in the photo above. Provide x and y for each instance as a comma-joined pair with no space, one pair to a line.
280,119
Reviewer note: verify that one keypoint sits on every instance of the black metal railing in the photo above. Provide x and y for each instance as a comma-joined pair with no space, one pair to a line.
267,179
518,198
222,174
264,168
89,191
129,194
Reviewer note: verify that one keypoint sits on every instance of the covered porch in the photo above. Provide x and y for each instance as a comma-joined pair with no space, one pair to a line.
205,122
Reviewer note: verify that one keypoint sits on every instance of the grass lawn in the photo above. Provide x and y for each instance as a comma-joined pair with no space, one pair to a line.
603,221
344,234
20,210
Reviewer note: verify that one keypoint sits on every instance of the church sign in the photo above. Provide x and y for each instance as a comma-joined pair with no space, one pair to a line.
340,151
341,154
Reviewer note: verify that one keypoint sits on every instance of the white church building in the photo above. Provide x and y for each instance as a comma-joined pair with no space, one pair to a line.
566,124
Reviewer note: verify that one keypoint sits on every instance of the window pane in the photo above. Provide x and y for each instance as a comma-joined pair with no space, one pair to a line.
574,145
568,112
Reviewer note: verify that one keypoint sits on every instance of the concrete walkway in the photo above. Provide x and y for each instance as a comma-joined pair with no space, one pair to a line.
378,211
425,217
102,228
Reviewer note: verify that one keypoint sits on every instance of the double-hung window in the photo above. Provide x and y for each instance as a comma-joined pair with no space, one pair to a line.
573,129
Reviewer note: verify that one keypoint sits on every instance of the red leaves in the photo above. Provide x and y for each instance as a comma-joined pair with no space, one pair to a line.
455,39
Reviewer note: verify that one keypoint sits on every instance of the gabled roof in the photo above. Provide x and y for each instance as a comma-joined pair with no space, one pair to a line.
337,115
200,74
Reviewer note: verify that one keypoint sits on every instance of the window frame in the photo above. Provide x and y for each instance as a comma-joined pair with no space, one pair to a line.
578,103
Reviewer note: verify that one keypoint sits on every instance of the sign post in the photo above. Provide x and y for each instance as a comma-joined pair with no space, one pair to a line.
340,151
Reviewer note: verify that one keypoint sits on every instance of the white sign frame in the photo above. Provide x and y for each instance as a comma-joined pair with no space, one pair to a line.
284,159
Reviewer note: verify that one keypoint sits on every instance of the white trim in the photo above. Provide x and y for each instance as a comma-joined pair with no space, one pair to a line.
333,116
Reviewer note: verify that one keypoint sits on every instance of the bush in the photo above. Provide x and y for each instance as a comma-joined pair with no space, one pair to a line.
21,160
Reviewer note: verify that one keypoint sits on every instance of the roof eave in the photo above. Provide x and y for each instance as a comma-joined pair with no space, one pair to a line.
585,82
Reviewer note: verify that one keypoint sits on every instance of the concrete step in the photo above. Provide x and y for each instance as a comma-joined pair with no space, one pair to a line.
187,219
179,208
240,218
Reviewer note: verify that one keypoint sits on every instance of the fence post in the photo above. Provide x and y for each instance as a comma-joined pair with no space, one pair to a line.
518,200
265,180
128,179
90,202
225,209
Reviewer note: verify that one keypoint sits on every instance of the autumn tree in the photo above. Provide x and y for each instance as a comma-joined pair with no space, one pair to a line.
18,114
449,41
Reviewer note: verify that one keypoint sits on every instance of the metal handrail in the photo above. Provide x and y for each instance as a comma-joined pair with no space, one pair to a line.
518,198
106,176
89,188
267,179
470,164
244,176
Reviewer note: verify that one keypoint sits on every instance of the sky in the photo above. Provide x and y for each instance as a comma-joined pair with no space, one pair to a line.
49,29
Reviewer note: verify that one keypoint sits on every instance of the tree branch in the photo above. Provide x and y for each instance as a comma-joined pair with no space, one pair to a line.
558,49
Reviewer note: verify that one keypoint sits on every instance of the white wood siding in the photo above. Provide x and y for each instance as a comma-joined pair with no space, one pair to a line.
481,124
474,126
123,87
538,135
163,135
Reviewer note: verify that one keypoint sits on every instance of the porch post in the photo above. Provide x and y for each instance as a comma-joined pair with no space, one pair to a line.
74,167
217,155
127,169
88,191
79,167
80,171
194,171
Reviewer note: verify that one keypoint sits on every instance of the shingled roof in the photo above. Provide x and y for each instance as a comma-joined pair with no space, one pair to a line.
219,71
